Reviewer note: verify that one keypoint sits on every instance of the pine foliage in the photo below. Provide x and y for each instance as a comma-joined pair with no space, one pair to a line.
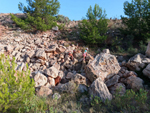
15,86
93,29
137,20
40,15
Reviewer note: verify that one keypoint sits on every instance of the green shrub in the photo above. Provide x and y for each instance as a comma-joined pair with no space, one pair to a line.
15,86
61,26
129,102
93,30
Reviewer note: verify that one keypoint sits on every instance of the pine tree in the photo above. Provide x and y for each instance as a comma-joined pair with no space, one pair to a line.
15,86
93,29
137,13
40,14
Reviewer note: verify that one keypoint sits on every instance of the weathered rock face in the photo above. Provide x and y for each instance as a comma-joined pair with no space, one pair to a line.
134,83
51,82
79,79
40,79
112,81
136,62
82,88
98,88
44,91
104,66
52,72
146,71
69,75
120,87
40,54
148,50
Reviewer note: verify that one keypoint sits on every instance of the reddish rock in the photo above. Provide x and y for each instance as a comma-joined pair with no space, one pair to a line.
57,80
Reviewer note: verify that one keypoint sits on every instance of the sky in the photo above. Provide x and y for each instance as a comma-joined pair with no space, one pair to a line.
74,9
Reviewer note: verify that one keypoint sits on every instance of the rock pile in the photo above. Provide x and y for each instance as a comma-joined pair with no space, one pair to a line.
58,65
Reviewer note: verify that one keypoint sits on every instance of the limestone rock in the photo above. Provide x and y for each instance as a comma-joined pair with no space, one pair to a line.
69,75
40,79
44,91
106,51
51,82
55,28
61,74
134,83
56,96
120,87
112,81
60,49
146,71
40,54
52,72
134,62
104,66
51,48
38,41
79,79
9,48
82,88
98,88
31,53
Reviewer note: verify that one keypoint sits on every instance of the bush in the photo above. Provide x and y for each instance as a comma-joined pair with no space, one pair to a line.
15,86
129,102
93,30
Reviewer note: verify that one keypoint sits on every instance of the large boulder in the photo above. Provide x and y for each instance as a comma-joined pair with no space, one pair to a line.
136,62
40,79
104,66
52,72
134,83
146,71
98,88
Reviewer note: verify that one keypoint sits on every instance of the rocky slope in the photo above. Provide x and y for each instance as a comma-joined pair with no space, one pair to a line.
55,64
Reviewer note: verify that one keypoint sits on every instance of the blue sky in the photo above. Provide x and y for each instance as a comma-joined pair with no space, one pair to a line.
74,9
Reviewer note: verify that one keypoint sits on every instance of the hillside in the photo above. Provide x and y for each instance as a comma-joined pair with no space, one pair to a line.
65,82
